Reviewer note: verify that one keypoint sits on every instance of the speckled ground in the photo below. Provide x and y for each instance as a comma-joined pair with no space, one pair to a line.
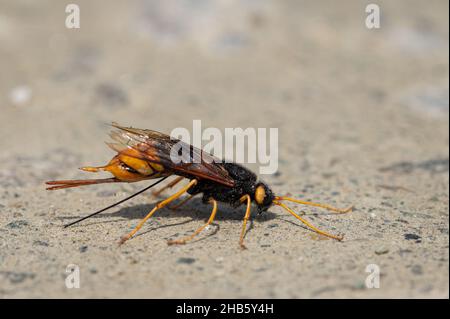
362,117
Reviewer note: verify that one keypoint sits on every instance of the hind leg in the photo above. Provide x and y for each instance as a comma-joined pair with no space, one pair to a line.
170,185
158,206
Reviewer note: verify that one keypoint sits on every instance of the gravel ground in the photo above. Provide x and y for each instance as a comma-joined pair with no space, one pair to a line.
362,117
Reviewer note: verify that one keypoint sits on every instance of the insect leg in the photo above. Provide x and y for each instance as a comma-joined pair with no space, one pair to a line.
170,185
158,206
327,207
246,218
199,230
304,221
184,201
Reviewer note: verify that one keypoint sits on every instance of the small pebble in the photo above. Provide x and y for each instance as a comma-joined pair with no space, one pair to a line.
360,285
417,270
111,95
381,250
40,243
219,259
17,224
20,95
83,249
17,277
415,237
186,260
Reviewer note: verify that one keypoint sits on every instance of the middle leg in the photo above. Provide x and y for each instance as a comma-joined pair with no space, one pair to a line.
199,230
184,201
246,218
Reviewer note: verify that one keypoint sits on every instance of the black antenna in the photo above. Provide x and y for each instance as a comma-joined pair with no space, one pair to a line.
115,204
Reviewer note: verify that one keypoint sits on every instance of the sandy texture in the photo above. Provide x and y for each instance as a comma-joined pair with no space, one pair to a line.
362,117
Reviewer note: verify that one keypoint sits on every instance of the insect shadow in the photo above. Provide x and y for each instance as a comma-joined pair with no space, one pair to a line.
195,210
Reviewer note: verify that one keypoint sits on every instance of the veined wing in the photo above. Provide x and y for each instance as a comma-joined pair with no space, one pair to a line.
156,147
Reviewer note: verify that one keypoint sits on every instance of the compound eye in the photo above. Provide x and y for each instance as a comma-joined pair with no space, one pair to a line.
260,194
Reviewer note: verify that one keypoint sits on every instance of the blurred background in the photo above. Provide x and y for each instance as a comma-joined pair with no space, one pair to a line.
362,117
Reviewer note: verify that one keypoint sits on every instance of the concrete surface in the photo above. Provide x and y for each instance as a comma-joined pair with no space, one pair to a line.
362,117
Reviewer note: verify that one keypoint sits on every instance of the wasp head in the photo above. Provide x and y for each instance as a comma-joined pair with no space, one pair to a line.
263,197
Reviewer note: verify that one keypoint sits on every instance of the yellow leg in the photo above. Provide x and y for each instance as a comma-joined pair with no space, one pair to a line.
246,218
184,201
327,207
304,221
158,206
170,185
199,230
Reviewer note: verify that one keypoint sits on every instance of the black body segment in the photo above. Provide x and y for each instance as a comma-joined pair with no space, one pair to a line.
245,183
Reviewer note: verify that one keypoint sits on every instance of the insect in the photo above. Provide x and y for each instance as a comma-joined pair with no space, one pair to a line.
144,154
